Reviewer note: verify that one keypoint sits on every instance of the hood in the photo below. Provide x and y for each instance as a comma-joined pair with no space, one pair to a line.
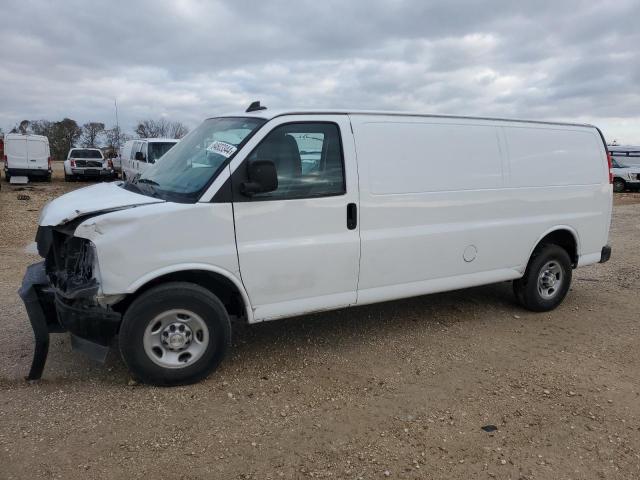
102,197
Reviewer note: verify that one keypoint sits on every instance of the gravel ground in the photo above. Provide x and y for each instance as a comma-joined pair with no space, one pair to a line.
396,390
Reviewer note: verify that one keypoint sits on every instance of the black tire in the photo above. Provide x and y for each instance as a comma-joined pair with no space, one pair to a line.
619,185
152,304
7,177
68,178
527,290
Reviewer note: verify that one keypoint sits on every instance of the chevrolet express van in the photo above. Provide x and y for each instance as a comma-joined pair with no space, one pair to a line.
26,156
266,214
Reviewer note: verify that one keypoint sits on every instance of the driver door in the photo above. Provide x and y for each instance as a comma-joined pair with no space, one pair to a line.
299,246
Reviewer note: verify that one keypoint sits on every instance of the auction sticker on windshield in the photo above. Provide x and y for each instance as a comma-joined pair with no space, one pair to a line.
221,148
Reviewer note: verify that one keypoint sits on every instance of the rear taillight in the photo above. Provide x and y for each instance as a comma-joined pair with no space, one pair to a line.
110,163
49,162
73,163
609,165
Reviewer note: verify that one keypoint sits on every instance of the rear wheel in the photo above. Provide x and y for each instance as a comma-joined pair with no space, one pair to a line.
619,185
546,280
174,334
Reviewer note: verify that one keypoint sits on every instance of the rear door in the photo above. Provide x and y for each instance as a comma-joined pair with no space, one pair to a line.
38,153
299,246
16,152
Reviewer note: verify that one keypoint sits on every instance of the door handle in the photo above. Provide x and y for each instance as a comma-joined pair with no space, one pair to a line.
352,216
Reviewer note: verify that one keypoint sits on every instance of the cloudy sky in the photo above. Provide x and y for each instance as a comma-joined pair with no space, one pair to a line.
187,59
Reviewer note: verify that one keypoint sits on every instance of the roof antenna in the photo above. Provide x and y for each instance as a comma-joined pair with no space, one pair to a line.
255,106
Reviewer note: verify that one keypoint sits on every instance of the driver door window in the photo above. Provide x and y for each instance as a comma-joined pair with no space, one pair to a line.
308,160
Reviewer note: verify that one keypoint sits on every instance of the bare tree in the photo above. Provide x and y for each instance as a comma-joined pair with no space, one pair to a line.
22,127
115,138
177,130
42,127
150,128
91,133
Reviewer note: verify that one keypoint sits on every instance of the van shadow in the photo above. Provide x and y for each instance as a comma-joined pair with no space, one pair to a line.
287,340
338,329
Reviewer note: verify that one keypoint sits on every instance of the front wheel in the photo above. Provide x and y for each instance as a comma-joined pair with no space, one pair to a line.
619,185
546,280
174,334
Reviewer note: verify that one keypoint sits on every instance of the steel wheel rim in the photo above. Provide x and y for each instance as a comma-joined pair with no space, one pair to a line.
176,338
550,279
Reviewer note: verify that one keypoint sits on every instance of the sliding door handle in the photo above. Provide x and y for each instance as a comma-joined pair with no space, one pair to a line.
352,216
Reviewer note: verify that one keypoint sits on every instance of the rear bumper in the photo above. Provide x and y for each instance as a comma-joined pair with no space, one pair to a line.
92,326
605,254
92,172
27,172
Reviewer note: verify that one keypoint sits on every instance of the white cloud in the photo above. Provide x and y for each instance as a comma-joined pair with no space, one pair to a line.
188,60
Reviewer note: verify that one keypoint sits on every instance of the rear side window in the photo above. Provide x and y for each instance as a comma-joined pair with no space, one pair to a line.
308,159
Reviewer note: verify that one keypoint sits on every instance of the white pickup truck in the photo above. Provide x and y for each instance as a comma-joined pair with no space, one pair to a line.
87,163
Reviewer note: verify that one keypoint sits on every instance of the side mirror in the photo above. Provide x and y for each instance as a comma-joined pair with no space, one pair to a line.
139,156
263,178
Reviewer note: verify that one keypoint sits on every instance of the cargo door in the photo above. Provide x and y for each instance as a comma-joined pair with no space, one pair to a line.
38,154
299,245
16,152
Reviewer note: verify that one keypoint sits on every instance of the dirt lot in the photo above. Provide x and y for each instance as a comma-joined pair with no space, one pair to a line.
397,390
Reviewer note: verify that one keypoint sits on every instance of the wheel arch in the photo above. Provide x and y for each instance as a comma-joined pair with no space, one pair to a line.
562,235
219,281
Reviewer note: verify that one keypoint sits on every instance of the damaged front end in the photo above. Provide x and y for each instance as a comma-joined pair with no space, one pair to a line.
61,294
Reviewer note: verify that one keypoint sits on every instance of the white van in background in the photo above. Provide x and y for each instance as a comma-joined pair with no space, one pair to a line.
27,156
263,215
138,154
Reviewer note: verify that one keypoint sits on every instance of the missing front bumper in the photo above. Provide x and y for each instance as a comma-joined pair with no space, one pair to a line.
92,326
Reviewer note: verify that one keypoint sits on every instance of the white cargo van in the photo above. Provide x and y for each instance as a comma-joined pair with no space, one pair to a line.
263,215
27,156
139,154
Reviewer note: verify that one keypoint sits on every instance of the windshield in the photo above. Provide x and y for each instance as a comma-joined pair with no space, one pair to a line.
190,166
157,149
82,153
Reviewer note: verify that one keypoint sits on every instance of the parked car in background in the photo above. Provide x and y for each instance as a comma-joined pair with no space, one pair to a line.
265,215
26,156
138,154
627,154
624,176
87,164
116,161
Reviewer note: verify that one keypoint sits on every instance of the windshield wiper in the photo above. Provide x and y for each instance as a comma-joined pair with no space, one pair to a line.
147,181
